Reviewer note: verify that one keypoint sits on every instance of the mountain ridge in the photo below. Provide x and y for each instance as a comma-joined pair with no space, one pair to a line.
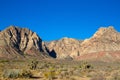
17,42
21,40
105,39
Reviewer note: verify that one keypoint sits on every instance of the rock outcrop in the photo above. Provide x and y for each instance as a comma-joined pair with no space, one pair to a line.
18,42
105,39
21,42
104,44
65,47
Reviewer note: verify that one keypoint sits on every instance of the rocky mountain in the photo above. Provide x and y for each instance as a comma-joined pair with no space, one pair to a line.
104,44
105,39
17,42
65,48
21,43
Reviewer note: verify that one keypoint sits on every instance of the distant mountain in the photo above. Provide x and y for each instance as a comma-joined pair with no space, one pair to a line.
18,42
65,47
103,45
105,39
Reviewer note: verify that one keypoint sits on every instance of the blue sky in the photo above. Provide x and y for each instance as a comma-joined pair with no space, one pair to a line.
54,19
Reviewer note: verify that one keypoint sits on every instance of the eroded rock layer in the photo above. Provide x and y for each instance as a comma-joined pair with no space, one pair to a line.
18,42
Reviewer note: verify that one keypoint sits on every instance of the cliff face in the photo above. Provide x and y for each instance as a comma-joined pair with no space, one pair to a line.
105,39
21,42
16,42
64,48
105,43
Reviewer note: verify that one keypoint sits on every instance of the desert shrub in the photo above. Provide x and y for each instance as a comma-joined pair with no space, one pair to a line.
86,65
26,74
50,75
16,73
115,76
33,65
3,61
11,73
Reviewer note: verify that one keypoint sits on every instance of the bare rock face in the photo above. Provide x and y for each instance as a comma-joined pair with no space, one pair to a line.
105,39
64,48
103,43
20,42
16,42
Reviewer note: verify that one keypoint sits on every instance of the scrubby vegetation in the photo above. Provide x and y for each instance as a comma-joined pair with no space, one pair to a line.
58,70
16,73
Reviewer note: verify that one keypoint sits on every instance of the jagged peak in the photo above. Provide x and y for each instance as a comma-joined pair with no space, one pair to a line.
20,40
11,27
15,30
104,30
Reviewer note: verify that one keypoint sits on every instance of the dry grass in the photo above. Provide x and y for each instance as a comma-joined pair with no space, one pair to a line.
62,70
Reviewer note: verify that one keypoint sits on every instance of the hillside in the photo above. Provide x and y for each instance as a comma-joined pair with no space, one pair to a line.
18,42
21,43
104,44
